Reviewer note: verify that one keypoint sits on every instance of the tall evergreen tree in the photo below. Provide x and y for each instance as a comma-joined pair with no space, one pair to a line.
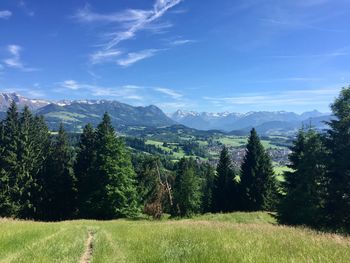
225,198
26,179
84,169
208,178
115,192
304,184
8,163
338,200
59,180
258,185
187,188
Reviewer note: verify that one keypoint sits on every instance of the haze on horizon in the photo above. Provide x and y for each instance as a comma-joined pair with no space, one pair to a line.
250,55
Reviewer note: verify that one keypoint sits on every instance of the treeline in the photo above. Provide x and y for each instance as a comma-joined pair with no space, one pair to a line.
317,191
43,177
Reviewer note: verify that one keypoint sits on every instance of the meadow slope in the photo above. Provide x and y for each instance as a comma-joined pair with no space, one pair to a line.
236,237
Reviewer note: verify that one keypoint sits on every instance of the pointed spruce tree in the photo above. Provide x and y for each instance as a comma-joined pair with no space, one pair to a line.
208,178
114,194
304,185
84,169
8,163
187,188
59,180
26,178
257,184
338,189
225,198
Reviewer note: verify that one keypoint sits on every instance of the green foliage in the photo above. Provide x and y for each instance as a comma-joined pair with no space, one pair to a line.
23,142
8,162
153,186
338,188
225,195
84,169
187,188
59,181
114,194
305,184
208,179
258,184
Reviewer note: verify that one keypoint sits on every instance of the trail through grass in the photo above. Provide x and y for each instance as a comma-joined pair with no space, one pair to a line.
236,237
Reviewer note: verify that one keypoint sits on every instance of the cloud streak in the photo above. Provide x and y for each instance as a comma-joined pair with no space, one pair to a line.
103,56
130,92
283,98
5,14
126,25
169,92
134,57
14,61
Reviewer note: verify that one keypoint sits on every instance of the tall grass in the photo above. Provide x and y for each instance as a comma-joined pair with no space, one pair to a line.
237,237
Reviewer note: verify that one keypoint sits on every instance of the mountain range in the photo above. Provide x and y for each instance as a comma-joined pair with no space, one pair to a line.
265,122
76,113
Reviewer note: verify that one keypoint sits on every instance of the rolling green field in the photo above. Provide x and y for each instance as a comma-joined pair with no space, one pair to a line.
237,237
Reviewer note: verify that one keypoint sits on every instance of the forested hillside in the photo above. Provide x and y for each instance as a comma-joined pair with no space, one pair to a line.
45,177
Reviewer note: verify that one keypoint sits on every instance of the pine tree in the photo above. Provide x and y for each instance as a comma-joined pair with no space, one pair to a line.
338,189
59,180
26,178
225,198
304,185
41,143
258,185
115,192
187,189
8,163
84,168
208,175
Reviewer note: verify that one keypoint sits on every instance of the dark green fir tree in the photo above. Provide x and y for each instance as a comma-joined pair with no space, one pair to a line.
338,189
115,193
225,195
258,184
59,180
304,185
187,188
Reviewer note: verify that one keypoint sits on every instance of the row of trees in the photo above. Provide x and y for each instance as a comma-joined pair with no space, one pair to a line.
317,191
43,177
196,187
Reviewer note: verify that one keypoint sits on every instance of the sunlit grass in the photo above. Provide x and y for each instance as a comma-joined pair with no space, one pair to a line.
235,237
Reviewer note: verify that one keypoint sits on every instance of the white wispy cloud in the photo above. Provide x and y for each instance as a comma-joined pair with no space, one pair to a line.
172,93
5,14
283,98
72,84
130,92
171,106
14,61
126,24
180,42
134,57
103,56
28,11
159,9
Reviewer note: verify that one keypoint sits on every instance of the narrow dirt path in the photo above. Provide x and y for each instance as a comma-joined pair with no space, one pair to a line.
87,256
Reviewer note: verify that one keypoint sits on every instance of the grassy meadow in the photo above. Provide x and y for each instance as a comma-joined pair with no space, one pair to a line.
236,237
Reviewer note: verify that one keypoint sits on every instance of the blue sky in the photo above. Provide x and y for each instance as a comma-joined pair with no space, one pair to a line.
238,56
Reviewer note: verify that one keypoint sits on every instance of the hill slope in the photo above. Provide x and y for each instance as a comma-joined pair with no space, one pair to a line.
237,237
75,114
